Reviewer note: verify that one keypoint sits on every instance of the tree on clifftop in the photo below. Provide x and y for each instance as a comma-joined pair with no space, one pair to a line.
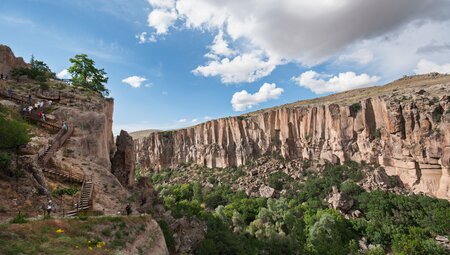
85,74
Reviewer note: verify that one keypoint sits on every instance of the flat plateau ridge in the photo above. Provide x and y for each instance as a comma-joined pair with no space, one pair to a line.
402,126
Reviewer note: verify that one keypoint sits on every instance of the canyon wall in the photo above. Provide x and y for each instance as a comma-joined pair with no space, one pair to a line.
407,131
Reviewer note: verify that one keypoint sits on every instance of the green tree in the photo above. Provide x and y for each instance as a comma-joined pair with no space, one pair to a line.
13,133
39,70
85,74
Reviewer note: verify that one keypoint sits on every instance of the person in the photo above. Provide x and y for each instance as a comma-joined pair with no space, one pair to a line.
50,103
49,207
29,99
43,116
40,114
30,109
65,127
9,92
24,110
128,209
1,76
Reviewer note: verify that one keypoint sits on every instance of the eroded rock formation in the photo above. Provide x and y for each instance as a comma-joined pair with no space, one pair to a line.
8,61
403,126
124,159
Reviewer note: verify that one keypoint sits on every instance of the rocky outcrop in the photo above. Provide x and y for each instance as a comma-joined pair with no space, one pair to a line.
8,61
340,201
124,159
404,128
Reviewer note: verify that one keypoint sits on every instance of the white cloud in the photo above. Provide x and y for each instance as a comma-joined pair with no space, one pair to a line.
361,56
244,68
207,118
220,46
161,20
134,81
425,66
194,120
342,82
142,37
243,100
304,32
182,120
162,4
64,74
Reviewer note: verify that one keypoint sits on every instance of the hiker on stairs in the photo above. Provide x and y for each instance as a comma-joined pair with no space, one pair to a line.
65,127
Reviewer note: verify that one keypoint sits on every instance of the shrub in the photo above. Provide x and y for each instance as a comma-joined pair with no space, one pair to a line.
377,134
19,219
168,235
13,133
354,109
278,180
5,160
66,191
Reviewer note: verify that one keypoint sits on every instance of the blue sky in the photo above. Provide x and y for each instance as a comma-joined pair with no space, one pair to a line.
288,52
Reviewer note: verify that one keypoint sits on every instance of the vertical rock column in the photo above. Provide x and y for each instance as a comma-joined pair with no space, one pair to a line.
124,159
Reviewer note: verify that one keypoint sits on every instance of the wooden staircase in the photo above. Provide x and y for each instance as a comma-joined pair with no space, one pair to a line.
85,199
58,141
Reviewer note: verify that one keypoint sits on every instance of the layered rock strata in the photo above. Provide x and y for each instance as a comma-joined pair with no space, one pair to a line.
403,127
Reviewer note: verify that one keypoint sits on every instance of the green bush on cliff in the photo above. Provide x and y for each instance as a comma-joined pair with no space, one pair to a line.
13,133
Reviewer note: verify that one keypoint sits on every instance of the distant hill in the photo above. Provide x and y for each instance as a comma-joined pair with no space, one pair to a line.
143,133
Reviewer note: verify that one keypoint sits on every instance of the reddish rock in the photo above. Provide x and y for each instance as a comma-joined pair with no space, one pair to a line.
8,61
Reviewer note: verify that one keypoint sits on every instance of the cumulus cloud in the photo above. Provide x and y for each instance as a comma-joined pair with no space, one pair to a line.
243,100
304,32
344,81
143,38
243,68
425,66
161,20
134,81
64,74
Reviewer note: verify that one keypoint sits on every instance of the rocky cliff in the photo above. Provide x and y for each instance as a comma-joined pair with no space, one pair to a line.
403,126
8,61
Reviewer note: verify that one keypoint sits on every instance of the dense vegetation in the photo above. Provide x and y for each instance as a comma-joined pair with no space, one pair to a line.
302,223
13,130
38,71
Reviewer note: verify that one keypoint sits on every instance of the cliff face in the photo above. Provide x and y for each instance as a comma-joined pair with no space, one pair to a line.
8,61
124,159
403,126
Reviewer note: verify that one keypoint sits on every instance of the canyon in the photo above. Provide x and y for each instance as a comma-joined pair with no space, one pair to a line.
402,126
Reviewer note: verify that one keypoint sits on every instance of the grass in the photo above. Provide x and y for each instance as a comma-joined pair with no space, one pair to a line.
94,235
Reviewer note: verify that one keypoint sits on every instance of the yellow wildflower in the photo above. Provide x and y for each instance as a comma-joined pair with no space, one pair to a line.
59,231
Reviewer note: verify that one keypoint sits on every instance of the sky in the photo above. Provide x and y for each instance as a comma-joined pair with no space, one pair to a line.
177,63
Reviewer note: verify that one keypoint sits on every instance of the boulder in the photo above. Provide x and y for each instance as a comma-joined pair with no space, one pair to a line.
266,191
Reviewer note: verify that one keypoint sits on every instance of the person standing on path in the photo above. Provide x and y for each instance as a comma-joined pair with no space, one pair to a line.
49,207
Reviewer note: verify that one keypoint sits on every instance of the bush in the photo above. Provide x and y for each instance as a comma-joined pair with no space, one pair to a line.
66,191
5,160
278,180
19,219
168,235
13,133
354,109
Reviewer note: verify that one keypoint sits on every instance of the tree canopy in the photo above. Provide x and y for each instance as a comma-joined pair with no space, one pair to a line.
39,71
85,74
